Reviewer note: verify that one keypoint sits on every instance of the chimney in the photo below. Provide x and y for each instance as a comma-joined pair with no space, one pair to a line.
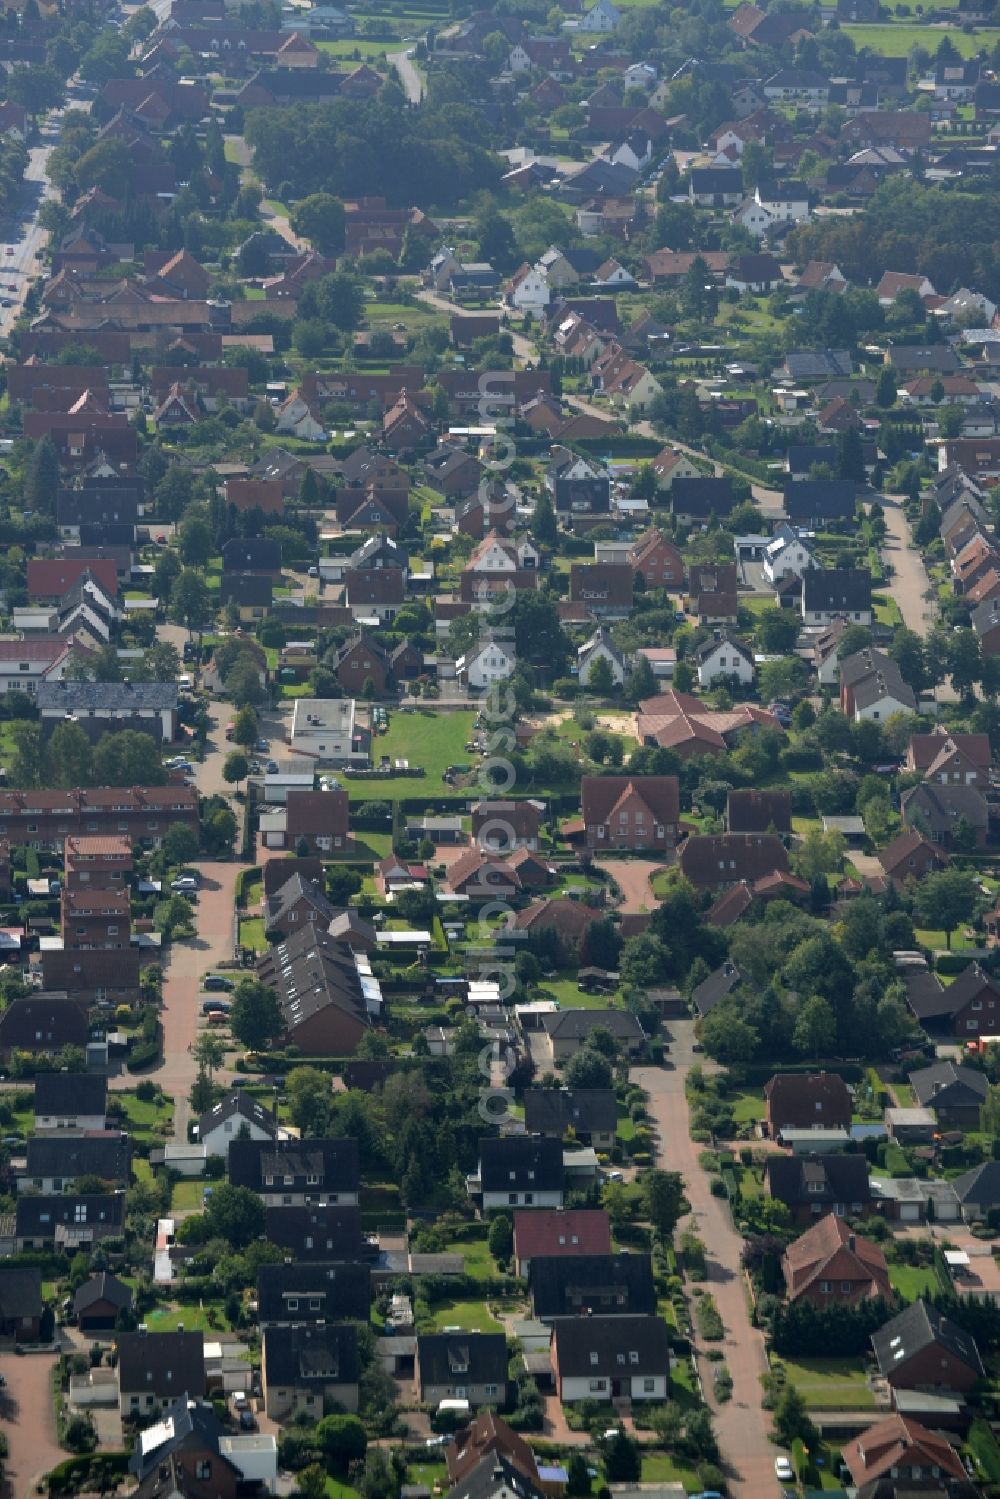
851,1242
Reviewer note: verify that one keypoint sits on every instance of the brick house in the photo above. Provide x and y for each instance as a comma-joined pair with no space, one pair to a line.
910,857
570,1232
712,861
656,562
750,811
901,1450
96,863
503,826
797,1100
604,588
322,818
145,814
93,974
630,812
830,1266
359,662
95,919
42,1024
922,1350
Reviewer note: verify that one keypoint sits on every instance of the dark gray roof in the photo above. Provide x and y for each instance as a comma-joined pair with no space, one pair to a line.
308,1357
519,1163
250,554
929,999
481,1357
801,457
237,1105
917,1328
296,889
99,1213
712,644
311,970
335,1162
494,1475
579,1024
980,1186
164,1364
68,1093
596,1346
20,1291
823,499
253,589
316,1231
102,1287
324,1291
186,1426
107,1156
554,1110
107,697
937,359
843,589
611,1284
948,1083
44,1022
936,809
702,497
805,1180
818,364
717,987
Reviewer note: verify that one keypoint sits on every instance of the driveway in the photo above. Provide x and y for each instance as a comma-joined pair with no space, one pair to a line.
741,1425
910,581
633,877
28,1420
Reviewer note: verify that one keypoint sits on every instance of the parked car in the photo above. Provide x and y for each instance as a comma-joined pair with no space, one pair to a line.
184,885
215,1007
218,981
783,1470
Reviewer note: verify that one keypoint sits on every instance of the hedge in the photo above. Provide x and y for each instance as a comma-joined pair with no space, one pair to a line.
73,1475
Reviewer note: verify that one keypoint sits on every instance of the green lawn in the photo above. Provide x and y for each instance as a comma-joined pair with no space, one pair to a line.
349,45
470,1316
479,1263
194,1318
830,1383
187,1195
252,933
658,1467
427,738
937,939
146,1120
897,41
747,1107
565,991
913,1281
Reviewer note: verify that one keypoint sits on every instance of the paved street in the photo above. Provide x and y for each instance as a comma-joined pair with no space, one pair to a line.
741,1425
28,1421
910,581
24,236
409,76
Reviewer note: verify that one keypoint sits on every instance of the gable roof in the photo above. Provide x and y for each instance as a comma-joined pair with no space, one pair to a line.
600,797
898,1442
517,1163
828,1250
916,1328
308,1357
164,1364
718,986
484,1435
558,1231
102,1287
65,1093
562,1286
596,1346
807,1179
482,1357
324,1291
813,1097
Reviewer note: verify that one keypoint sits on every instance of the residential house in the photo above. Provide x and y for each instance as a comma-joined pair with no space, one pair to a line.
696,501
72,1101
899,1449
713,861
669,465
588,1114
326,729
634,813
723,658
42,1024
828,593
967,1008
569,1233
608,1358
787,554
502,826
811,1185
655,561
67,1222
305,1370
328,995
750,811
21,1305
485,663
106,707
468,1366
829,1265
599,1285
872,686
919,1349
951,759
100,1301
488,1436
600,647
821,504
715,187
520,1171
326,1292
801,1101
945,814
955,1093
289,1173
96,863
236,1116
157,1367
909,857
58,1162
567,1030
604,588
316,1232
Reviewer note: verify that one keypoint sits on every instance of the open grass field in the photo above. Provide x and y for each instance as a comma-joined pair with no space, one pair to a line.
432,740
357,48
830,1383
898,40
